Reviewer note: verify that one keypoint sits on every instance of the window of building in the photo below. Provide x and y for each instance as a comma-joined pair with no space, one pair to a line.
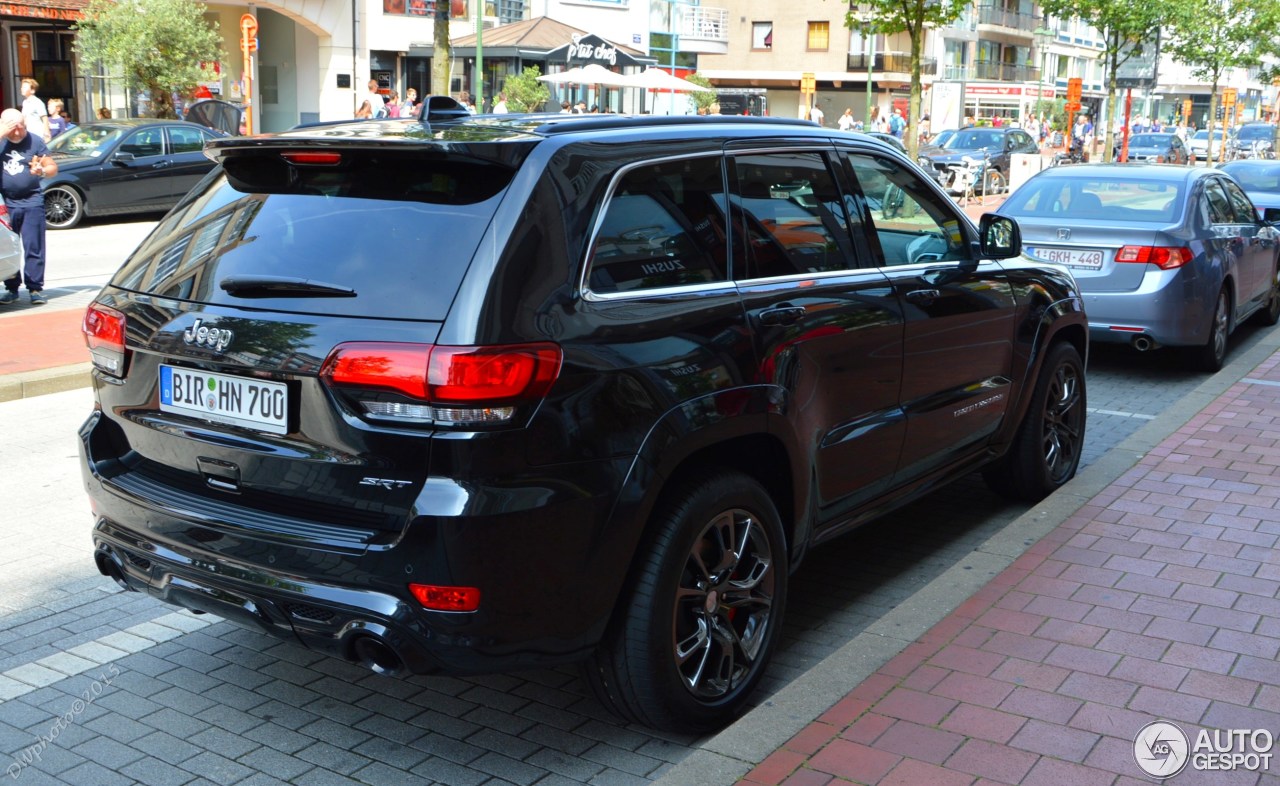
819,35
762,35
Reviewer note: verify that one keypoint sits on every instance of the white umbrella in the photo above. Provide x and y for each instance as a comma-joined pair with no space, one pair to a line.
590,74
657,79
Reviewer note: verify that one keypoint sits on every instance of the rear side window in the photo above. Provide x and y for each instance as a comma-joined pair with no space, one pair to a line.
186,140
398,230
664,226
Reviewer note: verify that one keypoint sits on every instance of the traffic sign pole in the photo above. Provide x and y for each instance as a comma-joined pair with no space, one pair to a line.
248,45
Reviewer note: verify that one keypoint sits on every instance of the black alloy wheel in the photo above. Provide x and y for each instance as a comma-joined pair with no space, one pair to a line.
703,614
1046,451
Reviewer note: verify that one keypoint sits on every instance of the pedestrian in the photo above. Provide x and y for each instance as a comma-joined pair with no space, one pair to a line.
103,113
565,108
464,98
33,111
897,126
25,159
816,114
500,108
845,123
373,106
393,105
580,108
409,106
58,121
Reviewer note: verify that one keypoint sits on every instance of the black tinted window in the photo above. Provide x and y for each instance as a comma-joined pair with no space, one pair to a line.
400,231
792,215
663,226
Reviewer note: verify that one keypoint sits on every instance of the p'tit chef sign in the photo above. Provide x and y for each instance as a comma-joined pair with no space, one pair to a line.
591,48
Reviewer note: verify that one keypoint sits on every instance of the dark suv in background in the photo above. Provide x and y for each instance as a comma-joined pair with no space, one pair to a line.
505,392
999,144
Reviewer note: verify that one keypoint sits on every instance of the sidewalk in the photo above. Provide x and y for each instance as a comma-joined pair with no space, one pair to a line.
41,347
1148,593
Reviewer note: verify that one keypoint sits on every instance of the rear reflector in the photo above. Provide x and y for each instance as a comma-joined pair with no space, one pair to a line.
1164,257
103,329
446,598
448,385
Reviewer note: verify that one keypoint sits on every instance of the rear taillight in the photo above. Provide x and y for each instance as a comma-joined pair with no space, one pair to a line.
103,329
4,217
1164,257
443,385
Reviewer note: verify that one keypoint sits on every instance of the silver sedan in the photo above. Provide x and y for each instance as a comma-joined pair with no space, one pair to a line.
1164,255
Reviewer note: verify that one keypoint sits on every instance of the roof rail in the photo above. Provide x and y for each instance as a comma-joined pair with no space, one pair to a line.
559,124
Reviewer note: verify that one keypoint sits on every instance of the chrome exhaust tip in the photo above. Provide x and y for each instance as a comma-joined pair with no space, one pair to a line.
1144,343
377,656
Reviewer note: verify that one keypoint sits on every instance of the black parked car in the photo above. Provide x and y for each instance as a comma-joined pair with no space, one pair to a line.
974,142
124,166
619,375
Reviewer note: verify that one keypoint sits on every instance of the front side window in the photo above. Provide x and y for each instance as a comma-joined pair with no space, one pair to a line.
910,222
663,226
819,35
762,35
147,142
791,215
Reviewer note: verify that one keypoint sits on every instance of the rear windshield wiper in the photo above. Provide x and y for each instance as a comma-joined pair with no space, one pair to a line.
281,286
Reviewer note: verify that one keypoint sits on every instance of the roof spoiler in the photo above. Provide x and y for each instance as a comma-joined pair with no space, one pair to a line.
441,108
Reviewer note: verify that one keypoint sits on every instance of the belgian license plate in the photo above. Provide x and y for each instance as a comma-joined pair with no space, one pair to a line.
236,401
1089,258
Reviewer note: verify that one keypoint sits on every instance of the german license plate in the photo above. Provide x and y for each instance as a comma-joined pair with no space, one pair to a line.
1088,258
222,398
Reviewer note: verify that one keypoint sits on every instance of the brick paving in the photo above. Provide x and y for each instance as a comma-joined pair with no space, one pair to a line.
1156,600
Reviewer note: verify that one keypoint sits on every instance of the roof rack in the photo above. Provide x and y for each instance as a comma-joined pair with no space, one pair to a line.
561,123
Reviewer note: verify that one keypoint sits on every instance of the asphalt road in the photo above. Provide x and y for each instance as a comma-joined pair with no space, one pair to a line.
180,699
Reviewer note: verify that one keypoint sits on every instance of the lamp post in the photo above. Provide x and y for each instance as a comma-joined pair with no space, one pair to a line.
866,16
1043,36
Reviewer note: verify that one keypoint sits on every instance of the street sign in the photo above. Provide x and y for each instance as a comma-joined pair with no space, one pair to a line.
1186,109
1229,96
248,33
1072,106
808,84
1075,86
1139,62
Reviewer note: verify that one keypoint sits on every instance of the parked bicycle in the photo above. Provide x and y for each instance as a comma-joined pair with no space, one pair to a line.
975,178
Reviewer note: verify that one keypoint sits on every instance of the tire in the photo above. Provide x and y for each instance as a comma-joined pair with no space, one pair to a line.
652,664
1213,353
1270,314
63,207
1046,450
992,183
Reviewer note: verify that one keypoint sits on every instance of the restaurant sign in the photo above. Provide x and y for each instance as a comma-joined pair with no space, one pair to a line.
40,12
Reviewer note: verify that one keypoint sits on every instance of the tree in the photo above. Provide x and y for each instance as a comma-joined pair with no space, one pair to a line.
441,53
1125,26
1217,35
524,92
703,100
910,17
161,46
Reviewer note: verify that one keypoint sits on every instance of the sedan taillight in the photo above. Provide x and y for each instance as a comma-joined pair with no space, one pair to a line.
1164,257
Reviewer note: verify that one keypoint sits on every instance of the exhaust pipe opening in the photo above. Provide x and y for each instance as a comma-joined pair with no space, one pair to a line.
109,565
377,656
1144,343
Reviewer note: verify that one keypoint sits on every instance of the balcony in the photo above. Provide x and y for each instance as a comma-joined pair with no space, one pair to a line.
891,63
1009,18
703,30
999,72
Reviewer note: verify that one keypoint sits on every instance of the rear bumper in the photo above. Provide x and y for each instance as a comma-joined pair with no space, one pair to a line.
549,563
1161,309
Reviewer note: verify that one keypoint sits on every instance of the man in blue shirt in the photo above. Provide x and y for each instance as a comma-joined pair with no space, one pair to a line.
24,159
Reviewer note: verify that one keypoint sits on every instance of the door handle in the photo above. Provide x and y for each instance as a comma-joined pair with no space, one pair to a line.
923,297
781,315
160,165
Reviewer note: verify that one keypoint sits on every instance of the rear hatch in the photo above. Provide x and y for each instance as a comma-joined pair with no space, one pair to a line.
294,253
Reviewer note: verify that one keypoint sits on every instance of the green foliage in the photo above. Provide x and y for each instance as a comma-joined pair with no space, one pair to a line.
159,45
910,17
1243,35
524,92
1125,26
702,100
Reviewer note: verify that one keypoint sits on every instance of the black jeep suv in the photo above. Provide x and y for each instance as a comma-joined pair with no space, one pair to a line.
510,391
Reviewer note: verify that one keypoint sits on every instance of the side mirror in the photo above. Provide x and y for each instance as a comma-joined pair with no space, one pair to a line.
1271,215
122,159
1000,237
